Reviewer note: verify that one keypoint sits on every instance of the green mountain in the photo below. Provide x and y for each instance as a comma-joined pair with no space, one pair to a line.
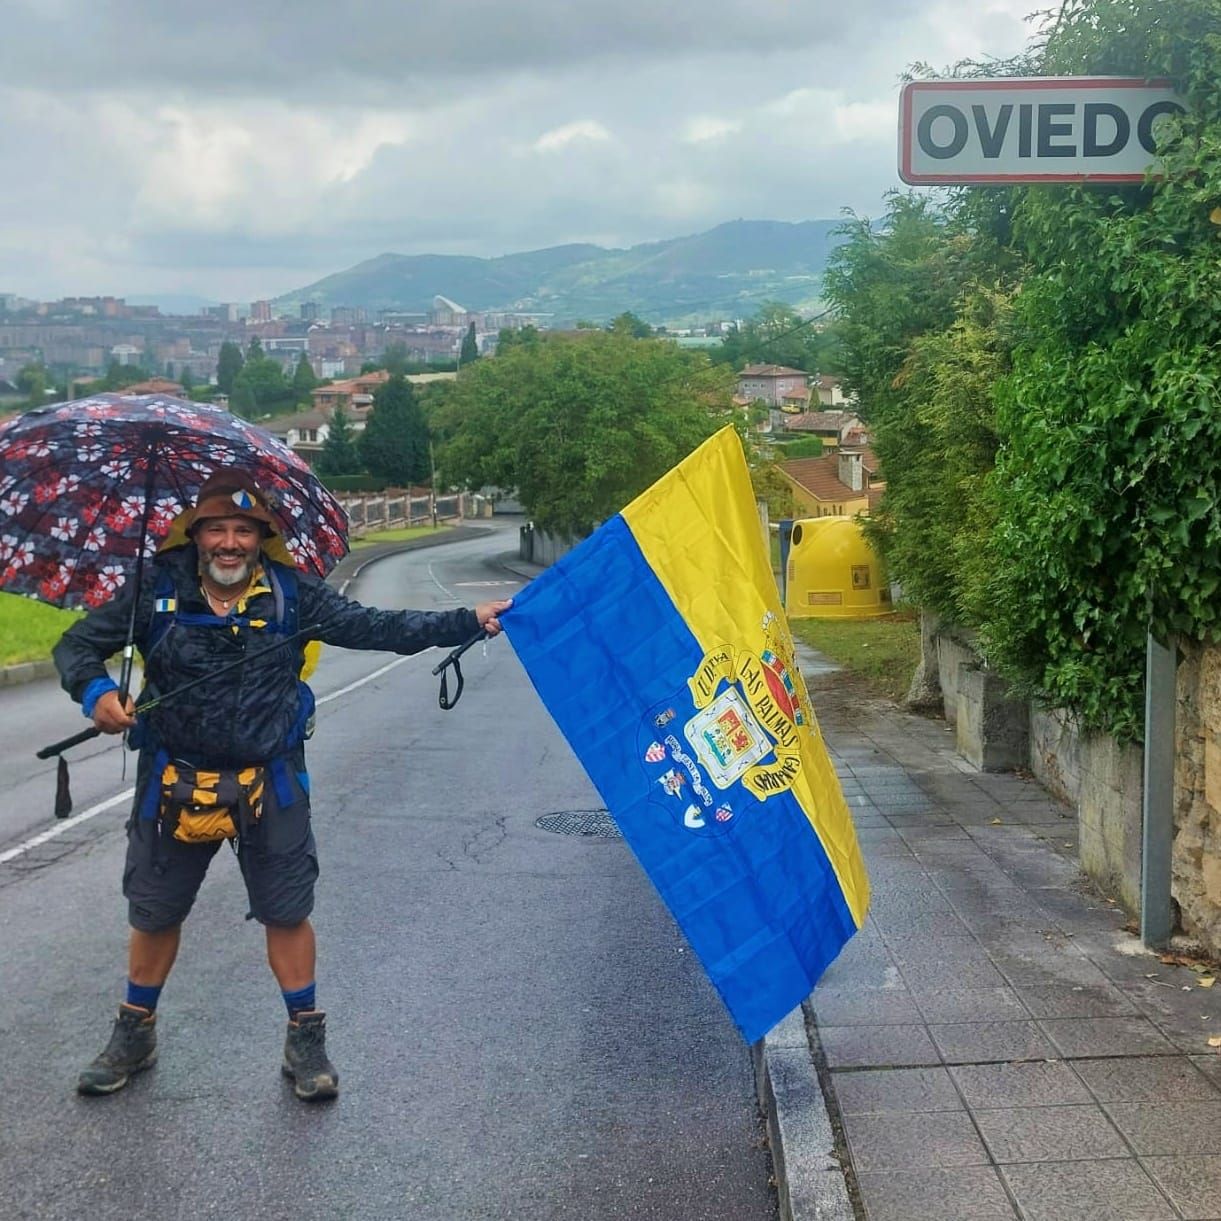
725,272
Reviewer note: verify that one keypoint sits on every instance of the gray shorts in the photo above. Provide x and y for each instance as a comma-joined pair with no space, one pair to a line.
278,859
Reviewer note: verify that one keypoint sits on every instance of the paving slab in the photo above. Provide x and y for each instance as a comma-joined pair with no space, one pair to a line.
997,1045
1072,1191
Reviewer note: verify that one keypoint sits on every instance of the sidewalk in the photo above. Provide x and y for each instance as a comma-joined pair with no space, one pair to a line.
992,1044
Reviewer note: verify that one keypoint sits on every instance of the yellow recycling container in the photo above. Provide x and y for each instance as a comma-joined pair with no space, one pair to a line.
833,573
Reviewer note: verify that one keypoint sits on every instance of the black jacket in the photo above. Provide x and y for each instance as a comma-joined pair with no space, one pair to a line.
247,715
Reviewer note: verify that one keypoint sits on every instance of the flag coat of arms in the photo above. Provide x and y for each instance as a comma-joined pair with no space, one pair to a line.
660,648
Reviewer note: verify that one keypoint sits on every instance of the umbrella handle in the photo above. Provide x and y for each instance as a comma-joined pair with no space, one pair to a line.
58,748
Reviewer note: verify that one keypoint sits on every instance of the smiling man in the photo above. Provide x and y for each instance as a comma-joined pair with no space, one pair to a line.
226,762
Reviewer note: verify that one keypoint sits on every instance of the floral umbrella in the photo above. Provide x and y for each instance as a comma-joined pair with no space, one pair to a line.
88,489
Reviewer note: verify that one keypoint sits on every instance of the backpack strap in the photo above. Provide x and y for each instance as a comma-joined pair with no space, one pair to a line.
283,582
165,608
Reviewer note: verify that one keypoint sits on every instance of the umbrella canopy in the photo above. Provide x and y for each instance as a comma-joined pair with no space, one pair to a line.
89,488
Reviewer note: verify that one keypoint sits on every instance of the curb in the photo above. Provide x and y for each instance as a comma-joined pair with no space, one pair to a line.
355,562
26,672
809,1178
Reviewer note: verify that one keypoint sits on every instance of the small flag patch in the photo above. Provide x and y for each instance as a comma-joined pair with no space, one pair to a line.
243,499
165,605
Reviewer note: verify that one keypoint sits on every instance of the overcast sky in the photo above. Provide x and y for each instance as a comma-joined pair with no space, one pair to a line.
237,149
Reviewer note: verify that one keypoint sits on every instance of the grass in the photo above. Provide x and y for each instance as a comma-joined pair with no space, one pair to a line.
28,629
883,652
401,535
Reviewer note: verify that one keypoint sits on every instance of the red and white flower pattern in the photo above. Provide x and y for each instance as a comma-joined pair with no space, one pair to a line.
72,479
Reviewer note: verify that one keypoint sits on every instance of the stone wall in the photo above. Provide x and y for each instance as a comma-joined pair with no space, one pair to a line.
1055,753
1100,777
1109,815
1092,772
1196,860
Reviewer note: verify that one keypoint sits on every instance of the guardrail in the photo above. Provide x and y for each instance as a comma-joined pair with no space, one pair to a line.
393,512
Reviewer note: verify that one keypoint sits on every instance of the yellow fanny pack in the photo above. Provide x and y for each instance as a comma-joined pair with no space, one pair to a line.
206,806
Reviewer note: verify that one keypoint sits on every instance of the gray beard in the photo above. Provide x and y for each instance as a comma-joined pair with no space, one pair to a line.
225,579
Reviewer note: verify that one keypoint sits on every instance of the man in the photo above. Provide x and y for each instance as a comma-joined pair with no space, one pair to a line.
226,760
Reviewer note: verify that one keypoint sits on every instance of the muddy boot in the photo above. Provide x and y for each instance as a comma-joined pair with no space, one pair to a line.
132,1049
314,1076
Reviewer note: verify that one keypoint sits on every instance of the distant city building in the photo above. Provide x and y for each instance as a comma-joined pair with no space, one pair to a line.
355,393
830,392
772,383
126,354
310,311
445,312
260,311
225,313
348,315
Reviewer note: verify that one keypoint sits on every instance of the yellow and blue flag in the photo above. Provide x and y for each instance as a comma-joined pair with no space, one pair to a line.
660,648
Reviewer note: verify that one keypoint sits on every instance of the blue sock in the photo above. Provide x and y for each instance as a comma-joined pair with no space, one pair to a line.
143,995
303,998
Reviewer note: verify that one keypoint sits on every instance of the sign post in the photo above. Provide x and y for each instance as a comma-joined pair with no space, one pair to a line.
1040,129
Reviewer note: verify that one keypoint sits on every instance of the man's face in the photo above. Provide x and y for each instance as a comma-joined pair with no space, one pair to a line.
228,548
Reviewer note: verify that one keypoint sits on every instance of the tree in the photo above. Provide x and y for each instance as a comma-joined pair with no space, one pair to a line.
304,380
628,323
119,377
515,337
32,382
188,379
254,349
394,359
340,455
778,335
470,347
264,378
241,401
228,366
579,424
394,444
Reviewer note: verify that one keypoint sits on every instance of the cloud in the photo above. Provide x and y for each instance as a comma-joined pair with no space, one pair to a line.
234,151
583,131
704,128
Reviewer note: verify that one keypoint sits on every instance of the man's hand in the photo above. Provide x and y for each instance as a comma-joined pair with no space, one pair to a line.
488,615
110,716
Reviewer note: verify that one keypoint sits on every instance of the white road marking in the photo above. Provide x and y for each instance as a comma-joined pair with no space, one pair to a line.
54,832
482,584
102,806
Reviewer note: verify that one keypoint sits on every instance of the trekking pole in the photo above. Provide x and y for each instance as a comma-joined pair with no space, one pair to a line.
58,748
452,660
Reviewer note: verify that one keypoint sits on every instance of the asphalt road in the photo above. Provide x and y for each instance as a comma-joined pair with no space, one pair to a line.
520,1030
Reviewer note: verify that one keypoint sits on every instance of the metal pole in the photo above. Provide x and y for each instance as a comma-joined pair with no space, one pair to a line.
1157,838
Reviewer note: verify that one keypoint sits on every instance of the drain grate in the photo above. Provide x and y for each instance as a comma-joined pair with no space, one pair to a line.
594,824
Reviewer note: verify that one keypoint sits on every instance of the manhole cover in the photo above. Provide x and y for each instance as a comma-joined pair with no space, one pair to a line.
595,824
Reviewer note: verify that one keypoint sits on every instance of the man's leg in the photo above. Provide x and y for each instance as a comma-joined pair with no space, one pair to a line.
291,953
150,956
280,864
160,880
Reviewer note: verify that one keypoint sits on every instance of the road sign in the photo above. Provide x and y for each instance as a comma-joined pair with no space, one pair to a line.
1045,129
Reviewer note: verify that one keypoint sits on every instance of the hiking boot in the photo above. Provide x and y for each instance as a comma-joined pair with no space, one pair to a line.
314,1076
132,1049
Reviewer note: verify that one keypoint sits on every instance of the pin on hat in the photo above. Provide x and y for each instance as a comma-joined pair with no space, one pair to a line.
232,494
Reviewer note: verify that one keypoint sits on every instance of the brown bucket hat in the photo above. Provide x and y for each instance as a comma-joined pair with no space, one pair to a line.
230,494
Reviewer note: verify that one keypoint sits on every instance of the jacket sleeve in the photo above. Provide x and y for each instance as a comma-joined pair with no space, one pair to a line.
350,625
82,651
